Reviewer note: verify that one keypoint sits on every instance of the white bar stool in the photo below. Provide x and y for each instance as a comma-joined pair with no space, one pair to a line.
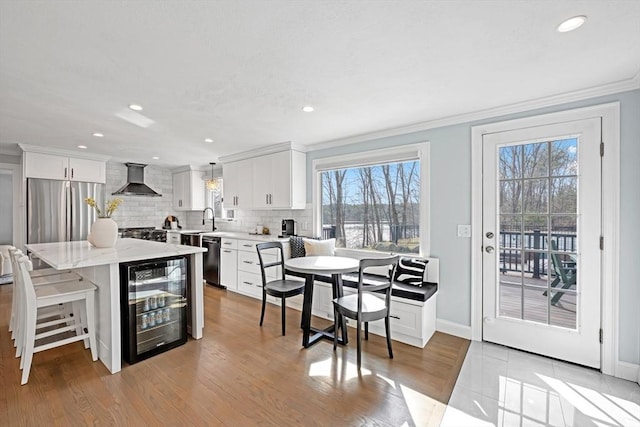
40,277
35,298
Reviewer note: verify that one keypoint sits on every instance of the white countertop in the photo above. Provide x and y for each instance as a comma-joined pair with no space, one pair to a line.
63,255
246,236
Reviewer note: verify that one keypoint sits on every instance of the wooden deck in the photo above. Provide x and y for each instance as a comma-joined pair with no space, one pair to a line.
536,307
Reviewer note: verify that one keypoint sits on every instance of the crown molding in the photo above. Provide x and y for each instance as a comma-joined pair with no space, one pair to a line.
564,98
59,152
262,151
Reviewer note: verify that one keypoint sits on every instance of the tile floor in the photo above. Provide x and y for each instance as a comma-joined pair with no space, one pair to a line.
498,386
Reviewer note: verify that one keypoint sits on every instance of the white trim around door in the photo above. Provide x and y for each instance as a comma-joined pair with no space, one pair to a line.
610,116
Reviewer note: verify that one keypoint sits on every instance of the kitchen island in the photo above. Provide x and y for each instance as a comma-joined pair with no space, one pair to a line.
101,266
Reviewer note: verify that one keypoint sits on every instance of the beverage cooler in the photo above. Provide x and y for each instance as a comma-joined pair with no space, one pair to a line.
154,306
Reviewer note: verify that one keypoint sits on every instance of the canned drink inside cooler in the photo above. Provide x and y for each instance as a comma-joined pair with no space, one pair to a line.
145,321
160,301
166,314
158,315
152,320
153,303
146,305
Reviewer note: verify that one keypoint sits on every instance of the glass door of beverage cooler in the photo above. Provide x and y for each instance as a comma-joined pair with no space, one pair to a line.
153,307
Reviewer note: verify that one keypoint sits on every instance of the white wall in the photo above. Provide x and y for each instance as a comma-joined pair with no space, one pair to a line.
451,205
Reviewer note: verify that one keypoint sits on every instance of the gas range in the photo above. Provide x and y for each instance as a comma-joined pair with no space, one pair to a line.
145,233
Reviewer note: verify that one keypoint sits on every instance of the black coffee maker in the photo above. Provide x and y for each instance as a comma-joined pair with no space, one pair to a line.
288,228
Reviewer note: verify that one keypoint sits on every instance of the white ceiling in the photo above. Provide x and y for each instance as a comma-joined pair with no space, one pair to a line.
240,71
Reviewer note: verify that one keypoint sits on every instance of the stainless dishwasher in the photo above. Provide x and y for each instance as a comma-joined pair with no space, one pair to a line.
211,261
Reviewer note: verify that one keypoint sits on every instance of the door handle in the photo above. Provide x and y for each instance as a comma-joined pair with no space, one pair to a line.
489,249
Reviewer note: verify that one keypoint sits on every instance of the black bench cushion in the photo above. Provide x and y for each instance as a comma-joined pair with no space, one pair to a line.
398,289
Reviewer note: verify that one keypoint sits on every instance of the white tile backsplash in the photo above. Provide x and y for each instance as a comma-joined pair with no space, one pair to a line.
141,211
246,220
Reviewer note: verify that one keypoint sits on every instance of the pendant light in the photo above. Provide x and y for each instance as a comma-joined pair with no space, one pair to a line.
212,183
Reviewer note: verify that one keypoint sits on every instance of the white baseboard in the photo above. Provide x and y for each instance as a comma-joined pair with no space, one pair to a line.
627,371
452,328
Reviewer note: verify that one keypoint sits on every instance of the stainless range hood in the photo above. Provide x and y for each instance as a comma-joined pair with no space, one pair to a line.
135,185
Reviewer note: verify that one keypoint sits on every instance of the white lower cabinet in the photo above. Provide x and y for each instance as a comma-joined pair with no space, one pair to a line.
229,268
250,284
173,237
249,277
412,322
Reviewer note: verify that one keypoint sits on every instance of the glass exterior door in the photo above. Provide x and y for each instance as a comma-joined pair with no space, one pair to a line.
541,219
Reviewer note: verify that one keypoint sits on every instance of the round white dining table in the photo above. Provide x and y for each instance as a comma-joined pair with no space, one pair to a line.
311,266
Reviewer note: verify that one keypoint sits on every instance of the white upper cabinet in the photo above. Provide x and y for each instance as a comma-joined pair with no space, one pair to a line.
238,178
279,181
49,166
272,181
188,191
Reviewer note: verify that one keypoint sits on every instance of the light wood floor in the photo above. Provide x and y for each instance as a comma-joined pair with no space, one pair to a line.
238,375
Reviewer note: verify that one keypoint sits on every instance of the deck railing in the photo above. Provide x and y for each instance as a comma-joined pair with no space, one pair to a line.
534,245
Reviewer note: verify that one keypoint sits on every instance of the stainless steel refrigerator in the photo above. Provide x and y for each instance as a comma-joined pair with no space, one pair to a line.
57,212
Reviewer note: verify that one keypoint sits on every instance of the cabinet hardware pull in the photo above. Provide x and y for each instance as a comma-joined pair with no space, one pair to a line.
65,172
247,246
71,173
227,251
248,283
247,262
395,317
266,199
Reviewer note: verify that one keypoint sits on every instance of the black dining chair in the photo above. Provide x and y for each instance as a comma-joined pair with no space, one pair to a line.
365,306
279,288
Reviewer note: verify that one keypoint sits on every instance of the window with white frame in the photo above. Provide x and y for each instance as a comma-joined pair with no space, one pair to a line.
213,197
375,200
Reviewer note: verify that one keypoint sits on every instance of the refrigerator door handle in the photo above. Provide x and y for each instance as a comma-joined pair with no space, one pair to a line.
70,193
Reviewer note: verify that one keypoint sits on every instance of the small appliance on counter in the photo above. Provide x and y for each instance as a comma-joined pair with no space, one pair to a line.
288,228
171,223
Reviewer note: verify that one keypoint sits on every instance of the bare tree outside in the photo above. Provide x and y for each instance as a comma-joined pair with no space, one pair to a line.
373,207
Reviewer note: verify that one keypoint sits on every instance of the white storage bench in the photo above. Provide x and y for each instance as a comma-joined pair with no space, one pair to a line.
413,309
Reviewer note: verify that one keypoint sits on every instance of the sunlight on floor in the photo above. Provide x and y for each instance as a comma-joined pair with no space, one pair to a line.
596,405
420,406
345,371
504,387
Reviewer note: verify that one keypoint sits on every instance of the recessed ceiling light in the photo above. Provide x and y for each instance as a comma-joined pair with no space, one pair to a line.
82,146
572,24
98,134
208,140
307,108
135,107
156,158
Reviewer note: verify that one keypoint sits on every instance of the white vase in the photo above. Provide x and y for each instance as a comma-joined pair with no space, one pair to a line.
104,233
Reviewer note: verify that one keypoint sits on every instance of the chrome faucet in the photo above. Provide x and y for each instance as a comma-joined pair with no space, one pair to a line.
213,218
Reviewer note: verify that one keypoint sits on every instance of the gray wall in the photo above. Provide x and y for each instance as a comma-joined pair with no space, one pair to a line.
5,158
6,208
141,211
451,205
